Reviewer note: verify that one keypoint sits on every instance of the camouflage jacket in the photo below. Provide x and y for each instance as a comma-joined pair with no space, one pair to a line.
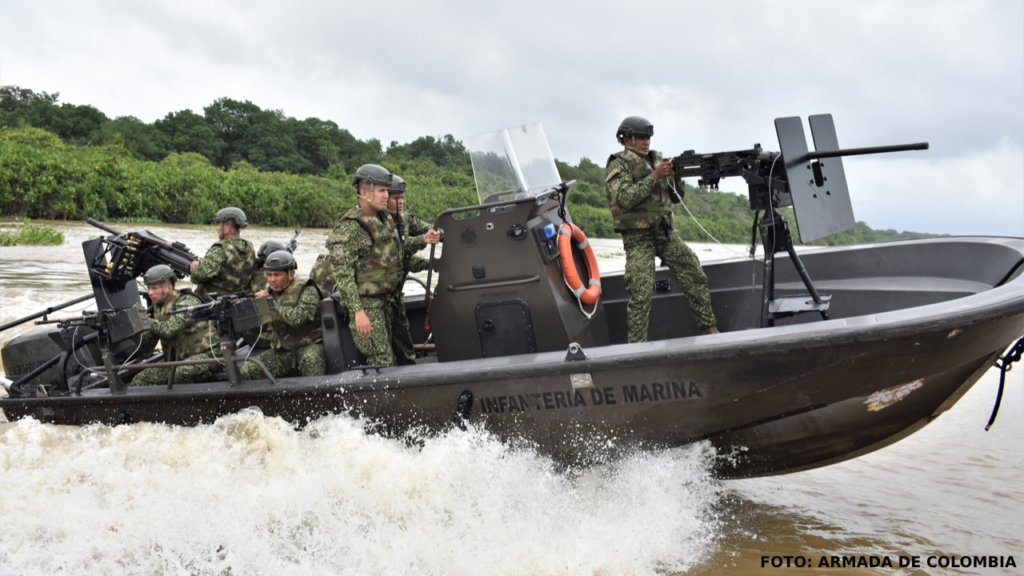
259,280
296,316
637,200
180,336
365,256
322,275
226,268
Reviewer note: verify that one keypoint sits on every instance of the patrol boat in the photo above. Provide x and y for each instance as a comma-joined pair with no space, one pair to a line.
842,353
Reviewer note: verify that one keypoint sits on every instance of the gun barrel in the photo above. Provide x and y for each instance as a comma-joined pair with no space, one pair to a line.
102,226
49,310
869,150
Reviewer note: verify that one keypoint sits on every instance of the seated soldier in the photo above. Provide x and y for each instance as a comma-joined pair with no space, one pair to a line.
296,340
181,337
259,275
259,337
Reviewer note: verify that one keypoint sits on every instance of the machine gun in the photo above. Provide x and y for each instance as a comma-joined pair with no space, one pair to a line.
763,174
812,182
233,314
107,328
132,253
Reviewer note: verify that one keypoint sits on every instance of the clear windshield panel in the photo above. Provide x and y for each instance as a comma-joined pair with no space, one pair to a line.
513,162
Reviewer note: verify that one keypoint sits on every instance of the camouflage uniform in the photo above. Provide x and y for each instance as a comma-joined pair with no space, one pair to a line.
181,339
642,213
401,338
296,339
226,268
322,275
365,255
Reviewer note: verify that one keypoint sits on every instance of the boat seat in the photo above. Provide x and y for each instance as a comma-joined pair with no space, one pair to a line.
339,347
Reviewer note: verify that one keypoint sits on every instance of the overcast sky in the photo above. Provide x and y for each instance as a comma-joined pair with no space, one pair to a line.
711,75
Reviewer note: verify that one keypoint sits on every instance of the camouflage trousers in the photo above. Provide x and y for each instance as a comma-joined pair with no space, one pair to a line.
377,346
641,247
182,374
401,337
306,361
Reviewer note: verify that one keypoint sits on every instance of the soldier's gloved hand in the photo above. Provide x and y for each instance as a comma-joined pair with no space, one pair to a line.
663,170
363,325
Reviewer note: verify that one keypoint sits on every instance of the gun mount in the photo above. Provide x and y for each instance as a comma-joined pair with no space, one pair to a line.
797,177
104,327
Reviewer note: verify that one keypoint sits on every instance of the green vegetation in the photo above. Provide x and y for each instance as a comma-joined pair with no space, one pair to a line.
69,162
30,234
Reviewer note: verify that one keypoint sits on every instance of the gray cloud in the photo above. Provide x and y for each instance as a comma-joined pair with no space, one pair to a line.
712,76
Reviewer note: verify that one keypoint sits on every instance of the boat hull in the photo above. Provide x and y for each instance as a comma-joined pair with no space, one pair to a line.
771,400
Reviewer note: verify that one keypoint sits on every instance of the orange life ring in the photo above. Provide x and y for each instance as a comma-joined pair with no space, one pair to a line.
593,291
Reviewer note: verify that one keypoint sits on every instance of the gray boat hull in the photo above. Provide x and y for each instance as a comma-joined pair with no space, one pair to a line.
913,325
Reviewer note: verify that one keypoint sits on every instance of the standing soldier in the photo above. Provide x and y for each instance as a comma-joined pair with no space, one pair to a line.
228,264
296,341
181,337
365,254
638,182
415,234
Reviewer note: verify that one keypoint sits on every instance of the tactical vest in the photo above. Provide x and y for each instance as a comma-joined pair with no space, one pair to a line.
285,336
648,214
379,271
236,276
322,274
193,339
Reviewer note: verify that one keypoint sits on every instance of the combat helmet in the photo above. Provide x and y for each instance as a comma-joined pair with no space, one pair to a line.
634,126
280,260
234,214
266,249
372,173
158,275
397,185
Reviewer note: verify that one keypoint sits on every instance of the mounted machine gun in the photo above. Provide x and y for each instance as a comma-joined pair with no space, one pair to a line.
813,183
233,314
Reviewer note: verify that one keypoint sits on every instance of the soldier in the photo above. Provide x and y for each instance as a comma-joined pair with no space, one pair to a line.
259,337
181,337
296,341
321,273
259,275
228,265
415,234
365,254
638,182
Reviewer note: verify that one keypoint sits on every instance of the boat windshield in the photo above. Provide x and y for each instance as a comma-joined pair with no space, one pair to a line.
512,163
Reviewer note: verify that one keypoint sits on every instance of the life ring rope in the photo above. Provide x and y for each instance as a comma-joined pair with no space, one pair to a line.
570,232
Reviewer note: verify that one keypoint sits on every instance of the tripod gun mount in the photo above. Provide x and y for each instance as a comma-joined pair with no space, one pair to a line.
233,314
812,182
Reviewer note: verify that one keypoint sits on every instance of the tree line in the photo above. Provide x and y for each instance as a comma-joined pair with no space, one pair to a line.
67,161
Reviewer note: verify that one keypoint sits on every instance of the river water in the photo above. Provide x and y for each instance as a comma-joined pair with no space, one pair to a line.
253,495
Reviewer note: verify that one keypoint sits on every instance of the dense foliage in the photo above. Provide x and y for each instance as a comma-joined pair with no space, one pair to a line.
64,161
